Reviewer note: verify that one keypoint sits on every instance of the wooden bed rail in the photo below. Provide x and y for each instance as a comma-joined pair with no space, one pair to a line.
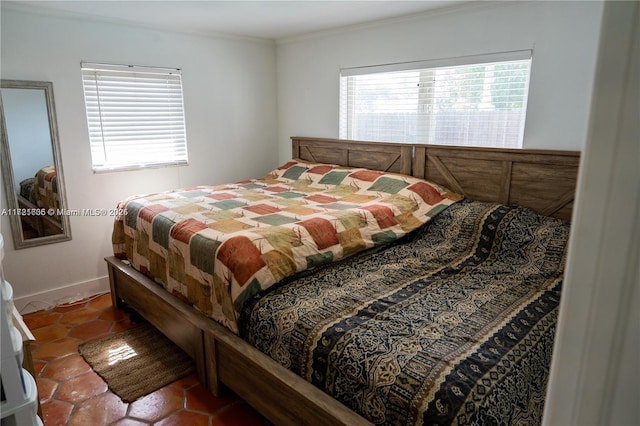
223,359
279,394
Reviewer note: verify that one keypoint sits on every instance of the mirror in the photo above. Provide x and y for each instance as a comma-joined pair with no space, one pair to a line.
31,164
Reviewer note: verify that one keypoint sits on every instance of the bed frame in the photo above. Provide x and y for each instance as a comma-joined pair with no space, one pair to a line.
44,225
539,179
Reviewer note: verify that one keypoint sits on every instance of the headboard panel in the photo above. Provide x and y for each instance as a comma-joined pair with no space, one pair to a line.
389,157
542,180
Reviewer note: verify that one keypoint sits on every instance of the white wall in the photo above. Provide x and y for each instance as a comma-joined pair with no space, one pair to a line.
563,36
595,372
230,107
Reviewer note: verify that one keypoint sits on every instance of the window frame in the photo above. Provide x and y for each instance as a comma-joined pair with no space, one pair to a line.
148,134
427,70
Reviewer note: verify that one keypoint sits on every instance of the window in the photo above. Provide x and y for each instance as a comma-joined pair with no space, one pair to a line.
475,101
135,116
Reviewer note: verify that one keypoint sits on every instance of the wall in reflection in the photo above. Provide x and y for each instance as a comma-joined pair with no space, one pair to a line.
27,123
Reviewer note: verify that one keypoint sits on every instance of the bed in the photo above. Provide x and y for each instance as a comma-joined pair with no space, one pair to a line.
541,180
41,193
217,246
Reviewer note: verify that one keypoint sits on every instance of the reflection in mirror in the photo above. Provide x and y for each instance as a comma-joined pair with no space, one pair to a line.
31,165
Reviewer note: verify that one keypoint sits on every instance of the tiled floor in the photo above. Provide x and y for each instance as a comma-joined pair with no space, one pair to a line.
72,394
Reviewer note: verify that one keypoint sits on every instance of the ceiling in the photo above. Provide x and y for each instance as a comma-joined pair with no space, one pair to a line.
266,19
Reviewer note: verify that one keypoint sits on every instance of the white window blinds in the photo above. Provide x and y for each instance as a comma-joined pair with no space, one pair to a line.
474,101
135,116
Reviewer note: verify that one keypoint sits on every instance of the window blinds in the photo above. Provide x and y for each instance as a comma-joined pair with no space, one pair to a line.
467,103
135,116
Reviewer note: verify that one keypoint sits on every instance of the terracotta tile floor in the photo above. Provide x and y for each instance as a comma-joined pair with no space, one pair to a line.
72,394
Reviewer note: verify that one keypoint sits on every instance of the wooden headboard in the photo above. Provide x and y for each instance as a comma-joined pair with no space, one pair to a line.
543,180
388,157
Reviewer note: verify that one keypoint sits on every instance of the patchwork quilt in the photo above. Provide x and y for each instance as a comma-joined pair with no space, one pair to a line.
46,188
217,246
453,324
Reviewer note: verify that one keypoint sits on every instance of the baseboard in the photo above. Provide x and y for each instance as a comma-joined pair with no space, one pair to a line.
61,295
